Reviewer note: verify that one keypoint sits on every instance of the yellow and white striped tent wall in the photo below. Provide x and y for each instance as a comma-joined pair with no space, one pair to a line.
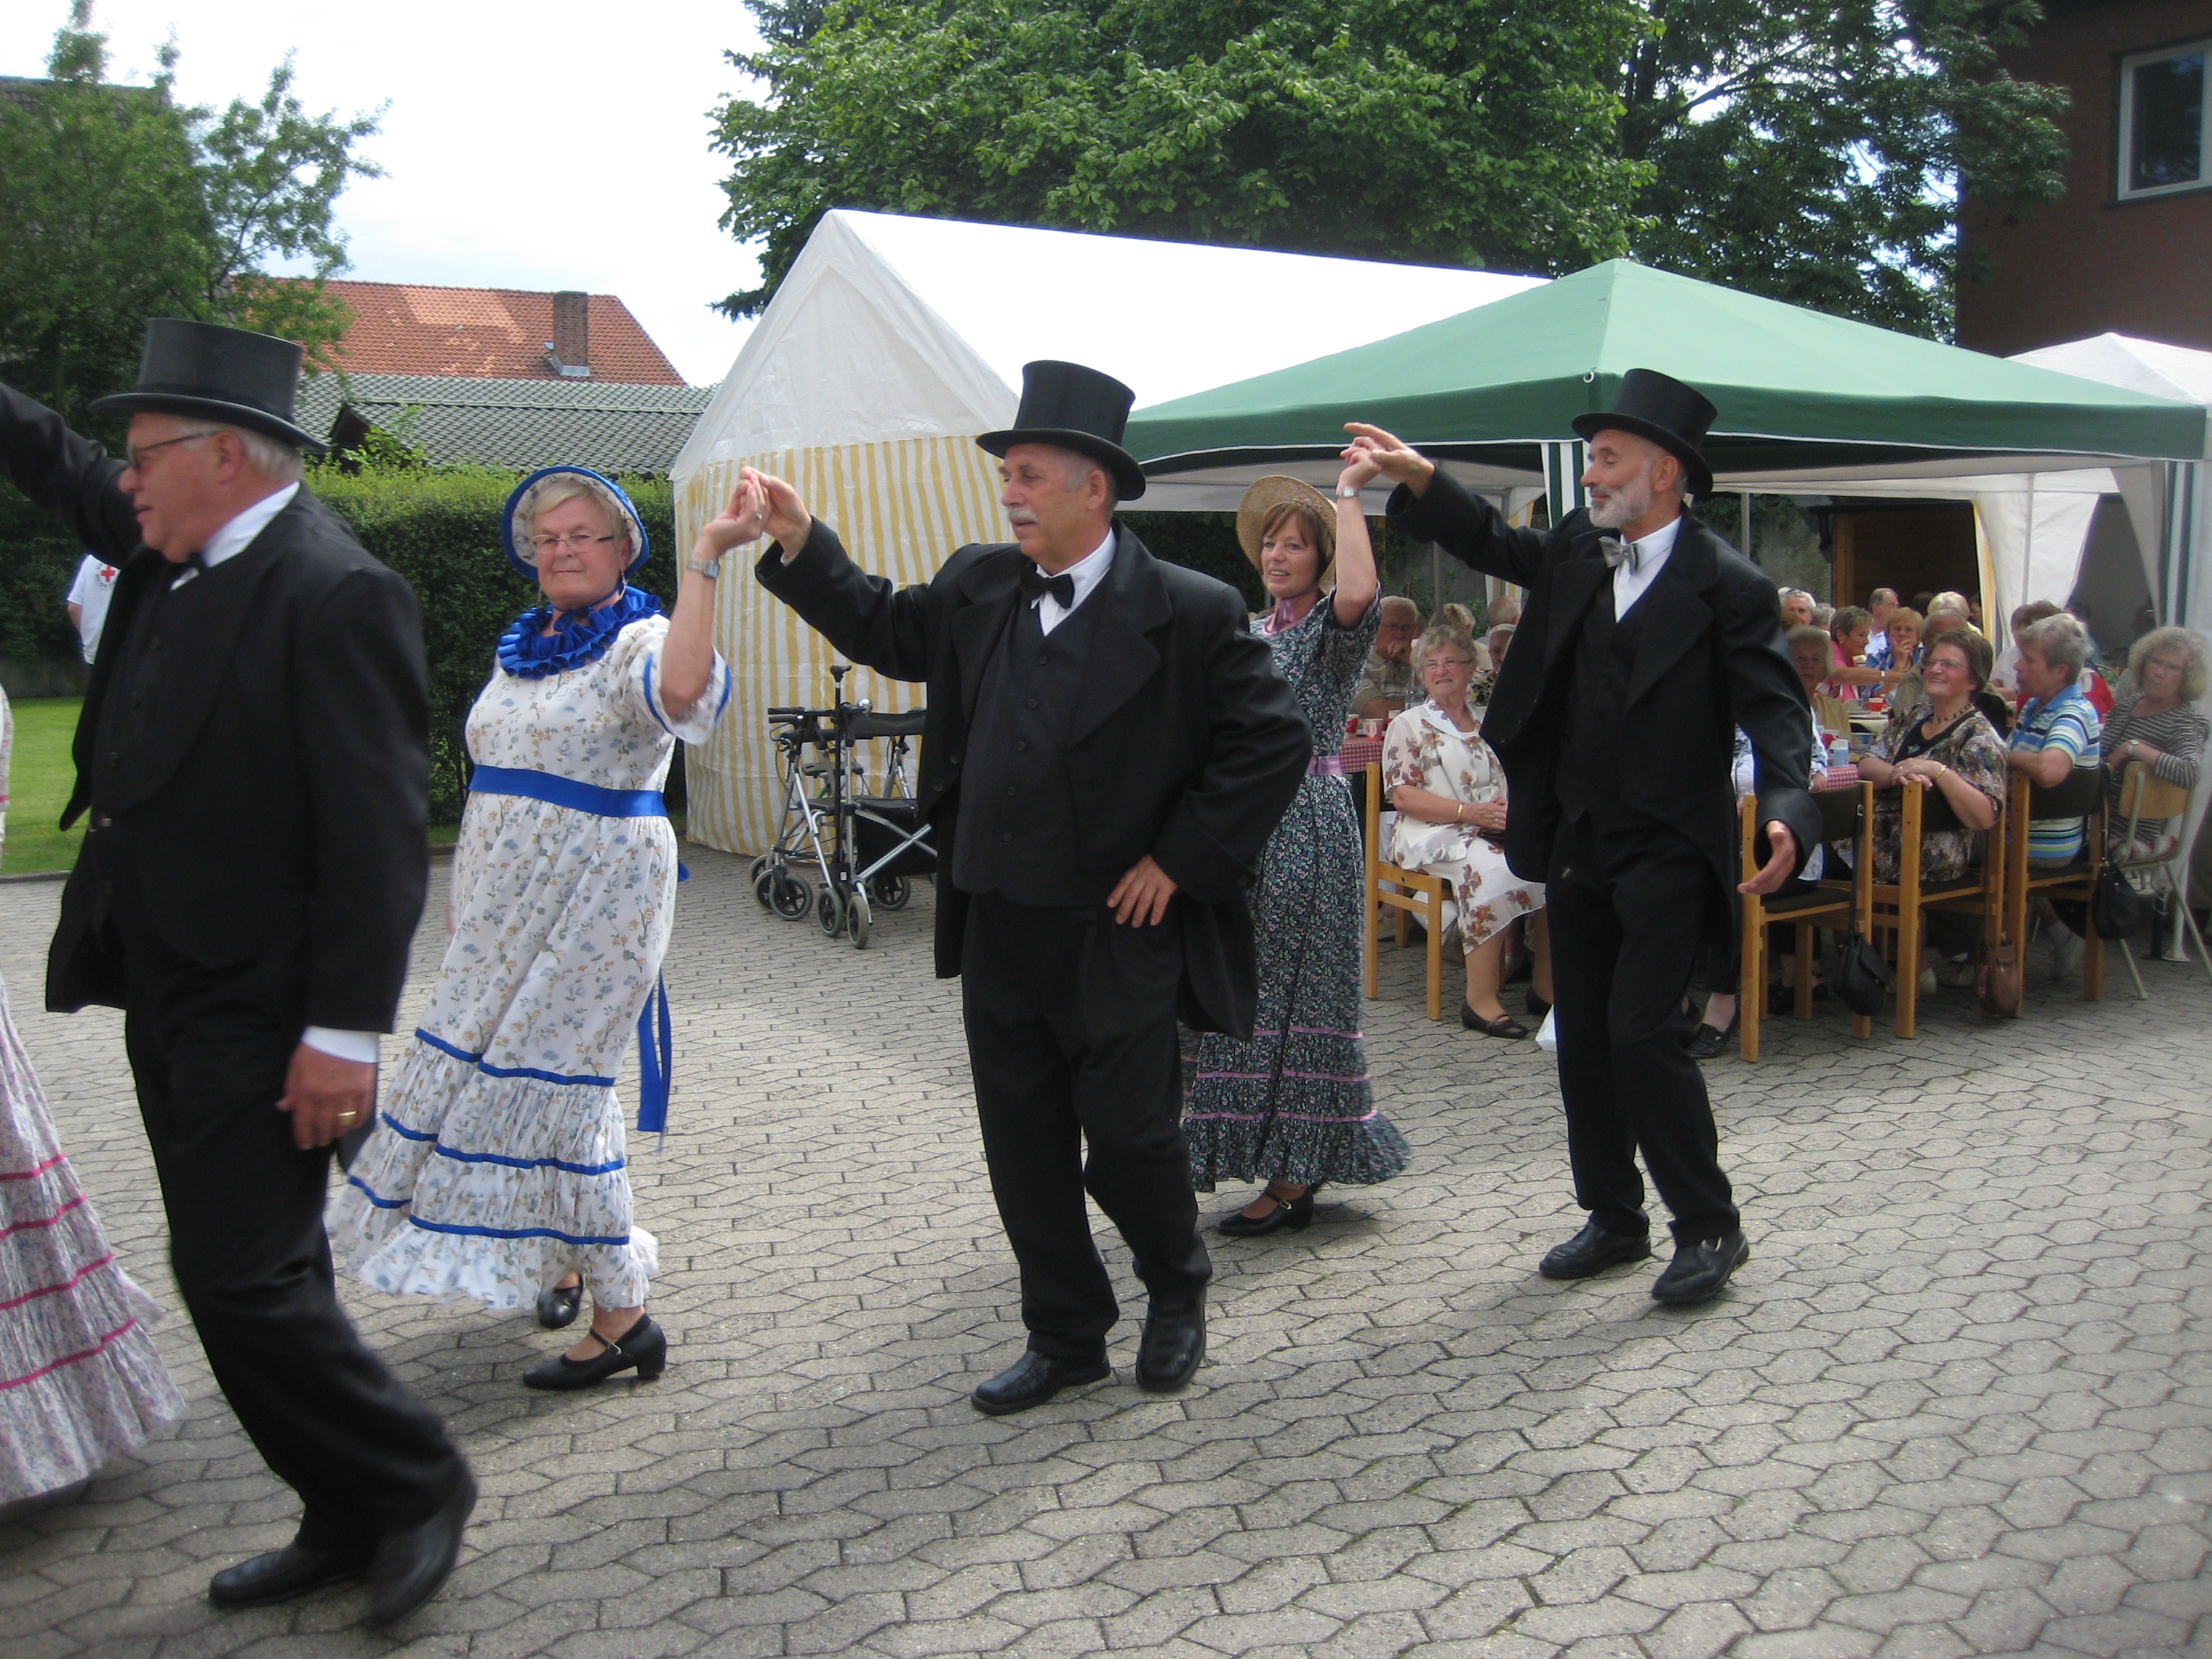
901,508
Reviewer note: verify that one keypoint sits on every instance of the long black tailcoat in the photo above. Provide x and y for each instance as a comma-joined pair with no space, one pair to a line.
1712,658
1185,743
279,806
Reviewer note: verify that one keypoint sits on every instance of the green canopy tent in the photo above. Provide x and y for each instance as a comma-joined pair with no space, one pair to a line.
1808,404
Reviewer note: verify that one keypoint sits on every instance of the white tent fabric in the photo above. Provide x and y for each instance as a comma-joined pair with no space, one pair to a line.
893,342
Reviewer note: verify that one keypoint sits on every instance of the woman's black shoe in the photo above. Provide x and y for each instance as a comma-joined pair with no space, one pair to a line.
1705,1042
643,1347
1295,1213
557,1308
1503,1026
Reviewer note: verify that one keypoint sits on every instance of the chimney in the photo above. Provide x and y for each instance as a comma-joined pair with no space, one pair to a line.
569,353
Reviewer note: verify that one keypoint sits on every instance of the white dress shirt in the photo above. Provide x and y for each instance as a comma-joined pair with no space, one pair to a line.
1088,572
227,543
1651,552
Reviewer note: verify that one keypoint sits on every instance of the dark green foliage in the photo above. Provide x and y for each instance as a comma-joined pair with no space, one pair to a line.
1200,541
37,562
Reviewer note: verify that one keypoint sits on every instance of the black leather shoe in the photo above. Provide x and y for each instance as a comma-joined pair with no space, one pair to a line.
283,1576
1032,1380
1700,1267
1503,1026
1707,1041
1295,1213
558,1307
642,1345
1174,1343
1592,1251
410,1565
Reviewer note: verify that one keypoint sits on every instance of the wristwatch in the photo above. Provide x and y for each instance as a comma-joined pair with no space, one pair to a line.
712,570
1347,492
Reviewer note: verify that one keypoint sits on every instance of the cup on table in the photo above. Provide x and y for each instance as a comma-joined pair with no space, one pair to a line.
1371,728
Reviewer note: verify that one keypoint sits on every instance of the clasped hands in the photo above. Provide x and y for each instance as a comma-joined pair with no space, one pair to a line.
762,504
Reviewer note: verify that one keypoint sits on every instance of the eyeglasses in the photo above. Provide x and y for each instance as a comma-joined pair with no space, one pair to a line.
579,543
1942,665
2169,667
1443,662
136,458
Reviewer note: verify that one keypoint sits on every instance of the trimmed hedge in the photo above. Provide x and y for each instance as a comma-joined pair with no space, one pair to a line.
37,562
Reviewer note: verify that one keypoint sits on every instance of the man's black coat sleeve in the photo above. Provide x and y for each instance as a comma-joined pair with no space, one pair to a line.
67,474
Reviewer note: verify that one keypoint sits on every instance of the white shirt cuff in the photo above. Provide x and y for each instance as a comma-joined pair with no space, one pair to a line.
359,1046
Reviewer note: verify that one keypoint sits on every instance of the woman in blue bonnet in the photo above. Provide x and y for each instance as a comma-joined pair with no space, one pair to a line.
495,1170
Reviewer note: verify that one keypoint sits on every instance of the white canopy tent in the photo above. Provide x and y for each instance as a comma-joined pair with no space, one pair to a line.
893,342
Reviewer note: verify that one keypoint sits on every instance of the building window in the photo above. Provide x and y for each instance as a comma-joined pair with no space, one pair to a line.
2163,111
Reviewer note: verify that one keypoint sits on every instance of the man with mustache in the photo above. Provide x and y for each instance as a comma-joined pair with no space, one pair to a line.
1108,748
1648,641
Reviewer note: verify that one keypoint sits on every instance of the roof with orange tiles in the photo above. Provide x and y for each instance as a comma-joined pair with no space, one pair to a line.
498,333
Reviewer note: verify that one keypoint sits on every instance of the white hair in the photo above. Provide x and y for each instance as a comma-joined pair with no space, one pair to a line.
1079,467
272,458
549,493
2061,640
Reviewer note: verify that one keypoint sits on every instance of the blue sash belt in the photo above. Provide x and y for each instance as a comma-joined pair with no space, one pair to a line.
656,1044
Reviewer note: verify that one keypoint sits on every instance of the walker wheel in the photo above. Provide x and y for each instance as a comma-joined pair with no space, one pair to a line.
856,920
764,888
829,911
891,892
790,896
757,869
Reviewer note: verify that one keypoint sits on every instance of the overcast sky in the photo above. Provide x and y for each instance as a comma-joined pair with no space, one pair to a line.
547,146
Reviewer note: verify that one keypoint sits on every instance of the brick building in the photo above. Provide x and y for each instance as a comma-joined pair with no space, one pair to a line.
2128,248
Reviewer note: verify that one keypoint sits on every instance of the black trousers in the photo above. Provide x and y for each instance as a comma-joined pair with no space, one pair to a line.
1629,910
209,1051
1071,1038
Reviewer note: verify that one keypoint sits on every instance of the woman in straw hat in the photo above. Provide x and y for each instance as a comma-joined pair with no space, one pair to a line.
1294,1105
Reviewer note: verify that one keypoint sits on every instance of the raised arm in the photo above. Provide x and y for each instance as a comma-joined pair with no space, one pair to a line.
868,618
68,474
1431,506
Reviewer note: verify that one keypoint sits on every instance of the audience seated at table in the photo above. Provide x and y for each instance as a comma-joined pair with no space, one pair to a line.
2156,723
2058,730
1813,652
1448,790
1386,678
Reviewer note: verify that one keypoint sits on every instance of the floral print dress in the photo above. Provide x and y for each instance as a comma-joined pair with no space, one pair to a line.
1971,747
1295,1103
1424,749
80,1382
497,1165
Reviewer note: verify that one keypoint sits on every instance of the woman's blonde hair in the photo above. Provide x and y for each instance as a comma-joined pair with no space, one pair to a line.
1445,633
549,493
2196,674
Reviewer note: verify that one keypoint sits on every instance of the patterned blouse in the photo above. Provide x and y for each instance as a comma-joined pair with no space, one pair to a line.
1971,747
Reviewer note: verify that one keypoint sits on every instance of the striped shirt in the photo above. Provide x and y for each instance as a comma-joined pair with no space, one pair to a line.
2069,721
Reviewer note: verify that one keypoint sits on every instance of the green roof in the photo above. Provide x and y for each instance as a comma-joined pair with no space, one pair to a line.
1794,388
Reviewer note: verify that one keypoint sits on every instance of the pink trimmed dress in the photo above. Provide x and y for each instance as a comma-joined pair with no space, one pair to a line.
80,1381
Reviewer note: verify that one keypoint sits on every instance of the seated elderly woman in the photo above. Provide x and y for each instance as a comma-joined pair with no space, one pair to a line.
1851,678
1448,790
1811,650
2155,722
1900,660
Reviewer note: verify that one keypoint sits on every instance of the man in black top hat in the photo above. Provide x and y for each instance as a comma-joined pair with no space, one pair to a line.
1107,750
1646,641
253,753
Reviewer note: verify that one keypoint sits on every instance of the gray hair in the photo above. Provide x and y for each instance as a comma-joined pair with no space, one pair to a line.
1445,633
2061,640
272,458
2195,672
549,492
1079,466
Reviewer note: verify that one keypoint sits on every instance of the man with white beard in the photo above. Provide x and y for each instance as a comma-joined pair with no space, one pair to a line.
1646,641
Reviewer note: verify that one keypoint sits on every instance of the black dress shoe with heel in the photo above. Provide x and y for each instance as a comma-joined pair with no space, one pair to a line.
1707,1041
1032,1380
1295,1213
1503,1026
643,1347
410,1566
285,1575
1174,1343
1700,1267
1592,1251
558,1307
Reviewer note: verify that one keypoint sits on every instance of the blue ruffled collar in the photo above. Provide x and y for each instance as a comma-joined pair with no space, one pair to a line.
578,636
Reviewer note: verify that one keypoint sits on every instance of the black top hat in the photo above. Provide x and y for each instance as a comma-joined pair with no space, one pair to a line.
1661,408
228,374
1075,408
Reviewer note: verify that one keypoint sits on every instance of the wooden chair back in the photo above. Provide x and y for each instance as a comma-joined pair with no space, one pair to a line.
1409,893
1900,907
1846,819
2080,795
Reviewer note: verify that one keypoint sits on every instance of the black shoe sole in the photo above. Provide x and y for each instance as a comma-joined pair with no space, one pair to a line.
1675,1299
1544,1269
1097,1373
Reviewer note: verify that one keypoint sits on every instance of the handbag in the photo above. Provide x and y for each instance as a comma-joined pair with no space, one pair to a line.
2116,911
1861,979
1996,982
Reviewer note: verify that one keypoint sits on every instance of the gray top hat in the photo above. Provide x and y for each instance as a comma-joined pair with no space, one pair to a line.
228,374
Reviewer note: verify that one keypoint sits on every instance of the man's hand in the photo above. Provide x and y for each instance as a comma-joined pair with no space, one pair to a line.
738,523
327,1096
1781,861
1371,446
1141,896
781,513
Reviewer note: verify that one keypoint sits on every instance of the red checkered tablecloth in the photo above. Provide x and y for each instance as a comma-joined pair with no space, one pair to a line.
1361,752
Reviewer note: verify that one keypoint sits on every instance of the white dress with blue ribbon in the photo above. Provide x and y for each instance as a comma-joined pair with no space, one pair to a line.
497,1163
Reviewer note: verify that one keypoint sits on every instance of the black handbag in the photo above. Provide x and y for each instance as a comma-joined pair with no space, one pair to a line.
1861,978
2117,910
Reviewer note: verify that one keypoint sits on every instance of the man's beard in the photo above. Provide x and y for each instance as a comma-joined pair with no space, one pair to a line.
1624,504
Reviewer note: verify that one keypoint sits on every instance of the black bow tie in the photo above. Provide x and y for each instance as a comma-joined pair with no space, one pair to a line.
1036,584
193,564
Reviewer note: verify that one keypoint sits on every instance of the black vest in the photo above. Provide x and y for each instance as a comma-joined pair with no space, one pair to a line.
1597,703
1016,832
131,710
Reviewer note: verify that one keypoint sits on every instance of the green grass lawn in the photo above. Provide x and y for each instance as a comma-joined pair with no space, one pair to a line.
39,784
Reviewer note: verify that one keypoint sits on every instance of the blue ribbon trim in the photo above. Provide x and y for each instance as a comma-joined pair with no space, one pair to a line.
527,652
369,1191
572,792
444,1150
511,1232
656,1061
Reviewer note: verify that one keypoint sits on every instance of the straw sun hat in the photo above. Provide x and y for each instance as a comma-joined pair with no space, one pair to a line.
1268,494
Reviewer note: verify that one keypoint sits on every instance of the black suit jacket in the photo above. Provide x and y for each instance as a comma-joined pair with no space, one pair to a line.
279,805
1712,658
1185,743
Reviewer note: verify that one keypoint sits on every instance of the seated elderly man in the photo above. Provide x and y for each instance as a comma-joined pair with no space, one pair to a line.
1386,679
1810,651
2058,730
1505,612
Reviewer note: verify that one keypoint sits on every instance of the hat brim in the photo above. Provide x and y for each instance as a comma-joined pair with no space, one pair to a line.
212,409
520,555
1264,496
1129,477
1699,479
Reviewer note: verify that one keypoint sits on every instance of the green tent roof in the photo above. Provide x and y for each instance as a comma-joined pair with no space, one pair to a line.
1794,387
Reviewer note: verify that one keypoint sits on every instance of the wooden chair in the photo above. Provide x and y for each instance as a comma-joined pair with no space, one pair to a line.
2147,797
1900,907
1418,894
2082,795
1846,817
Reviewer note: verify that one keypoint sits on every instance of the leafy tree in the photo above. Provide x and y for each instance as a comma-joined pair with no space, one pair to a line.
1815,153
1454,132
117,204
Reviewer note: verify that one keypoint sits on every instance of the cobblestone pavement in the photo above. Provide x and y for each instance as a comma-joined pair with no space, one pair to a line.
1958,1402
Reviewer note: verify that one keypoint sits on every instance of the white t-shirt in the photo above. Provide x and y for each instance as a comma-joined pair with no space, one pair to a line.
89,592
